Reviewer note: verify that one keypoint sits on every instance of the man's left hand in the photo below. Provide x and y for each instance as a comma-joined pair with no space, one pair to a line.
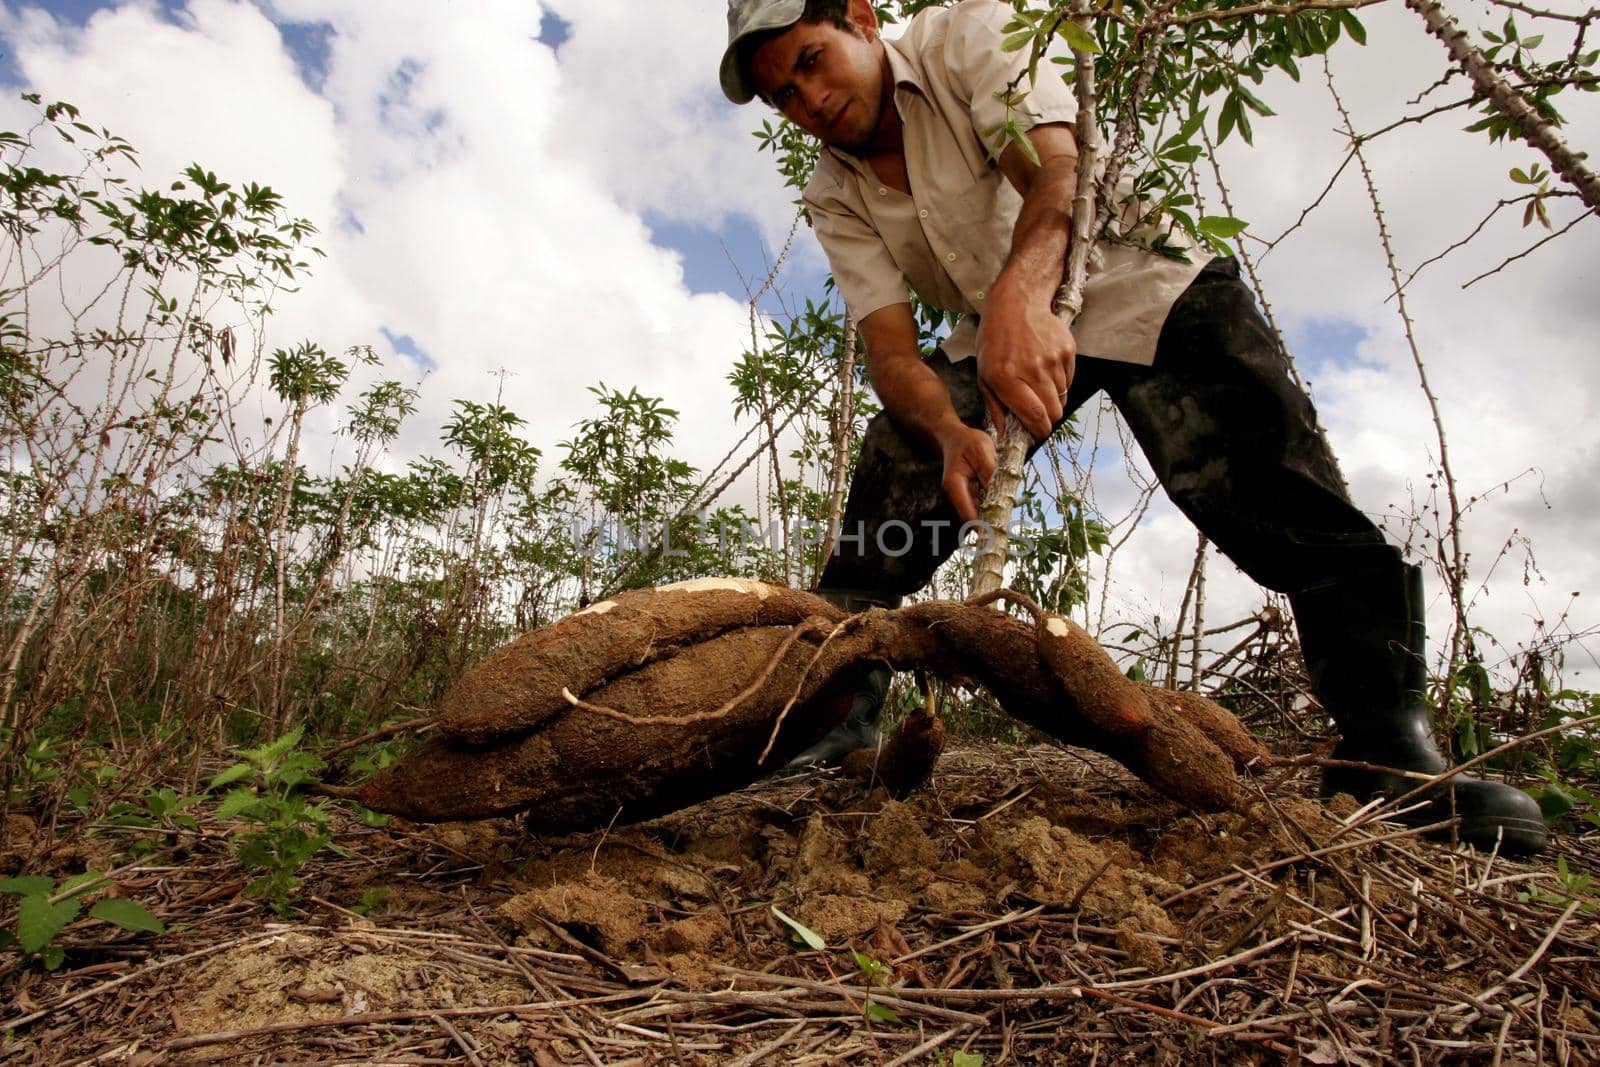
1026,355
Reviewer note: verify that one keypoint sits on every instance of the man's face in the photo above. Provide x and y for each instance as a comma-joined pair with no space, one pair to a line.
825,79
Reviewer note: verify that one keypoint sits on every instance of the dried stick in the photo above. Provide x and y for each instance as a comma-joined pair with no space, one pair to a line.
419,724
844,416
1455,567
105,987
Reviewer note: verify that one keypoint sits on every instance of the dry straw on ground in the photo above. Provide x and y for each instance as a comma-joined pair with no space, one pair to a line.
1028,906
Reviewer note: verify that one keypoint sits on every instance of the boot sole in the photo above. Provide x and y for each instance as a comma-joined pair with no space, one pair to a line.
1517,837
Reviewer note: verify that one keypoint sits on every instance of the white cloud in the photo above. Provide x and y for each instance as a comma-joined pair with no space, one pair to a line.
478,230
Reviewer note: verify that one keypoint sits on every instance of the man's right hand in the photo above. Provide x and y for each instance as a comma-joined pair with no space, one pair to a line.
969,463
920,404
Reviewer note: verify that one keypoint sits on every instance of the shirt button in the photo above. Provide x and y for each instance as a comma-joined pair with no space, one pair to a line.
882,191
950,257
922,214
980,294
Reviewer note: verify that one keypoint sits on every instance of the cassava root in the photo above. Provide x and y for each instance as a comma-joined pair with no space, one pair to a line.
660,698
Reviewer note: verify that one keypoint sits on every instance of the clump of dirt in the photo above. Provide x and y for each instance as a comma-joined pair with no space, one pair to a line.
850,864
299,977
596,909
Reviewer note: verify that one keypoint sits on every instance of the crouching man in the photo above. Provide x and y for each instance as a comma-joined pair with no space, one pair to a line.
913,189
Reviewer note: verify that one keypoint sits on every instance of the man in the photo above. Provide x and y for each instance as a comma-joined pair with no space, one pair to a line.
914,188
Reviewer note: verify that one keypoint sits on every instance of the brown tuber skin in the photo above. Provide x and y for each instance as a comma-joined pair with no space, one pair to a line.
663,697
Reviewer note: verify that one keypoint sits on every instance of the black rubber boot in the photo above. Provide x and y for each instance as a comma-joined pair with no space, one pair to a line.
860,728
1362,638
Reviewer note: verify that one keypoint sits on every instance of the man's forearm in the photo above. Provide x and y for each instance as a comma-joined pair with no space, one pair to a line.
914,396
1033,270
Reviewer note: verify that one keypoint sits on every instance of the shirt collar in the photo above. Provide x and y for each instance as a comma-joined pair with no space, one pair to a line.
903,68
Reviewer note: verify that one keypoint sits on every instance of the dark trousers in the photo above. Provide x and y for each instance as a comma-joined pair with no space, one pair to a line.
1231,438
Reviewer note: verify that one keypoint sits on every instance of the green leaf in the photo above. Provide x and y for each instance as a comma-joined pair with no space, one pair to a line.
1554,802
27,884
233,774
375,819
276,750
880,1014
53,956
1228,118
1017,41
1221,226
1020,137
236,803
1254,102
39,921
966,1059
1186,132
128,914
1078,37
803,932
1352,25
78,882
1183,154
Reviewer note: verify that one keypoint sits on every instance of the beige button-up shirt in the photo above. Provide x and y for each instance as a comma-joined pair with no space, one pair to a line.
949,238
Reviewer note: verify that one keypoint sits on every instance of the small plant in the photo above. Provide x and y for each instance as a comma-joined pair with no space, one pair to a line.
962,1059
873,970
286,829
802,933
47,907
371,900
1575,886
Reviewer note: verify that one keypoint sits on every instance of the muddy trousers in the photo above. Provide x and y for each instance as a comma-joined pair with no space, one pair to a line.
1231,438
1234,444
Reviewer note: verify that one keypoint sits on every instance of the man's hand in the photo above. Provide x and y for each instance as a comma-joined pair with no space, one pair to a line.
919,402
1026,356
969,463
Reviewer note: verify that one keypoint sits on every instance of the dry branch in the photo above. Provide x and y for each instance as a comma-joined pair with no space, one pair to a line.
1533,127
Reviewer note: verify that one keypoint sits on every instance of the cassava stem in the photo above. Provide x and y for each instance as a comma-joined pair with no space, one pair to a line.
1012,444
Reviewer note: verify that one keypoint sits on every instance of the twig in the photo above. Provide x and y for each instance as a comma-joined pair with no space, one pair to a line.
105,987
459,1038
1285,10
809,626
425,722
373,1018
927,1046
1513,106
1530,249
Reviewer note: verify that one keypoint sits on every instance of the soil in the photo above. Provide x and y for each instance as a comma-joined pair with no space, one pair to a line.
1013,870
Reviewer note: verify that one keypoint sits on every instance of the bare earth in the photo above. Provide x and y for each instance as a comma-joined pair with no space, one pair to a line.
1028,906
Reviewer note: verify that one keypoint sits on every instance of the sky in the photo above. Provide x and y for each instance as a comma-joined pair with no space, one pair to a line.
521,199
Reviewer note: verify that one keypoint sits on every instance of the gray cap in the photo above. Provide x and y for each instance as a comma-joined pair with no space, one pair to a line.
746,17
